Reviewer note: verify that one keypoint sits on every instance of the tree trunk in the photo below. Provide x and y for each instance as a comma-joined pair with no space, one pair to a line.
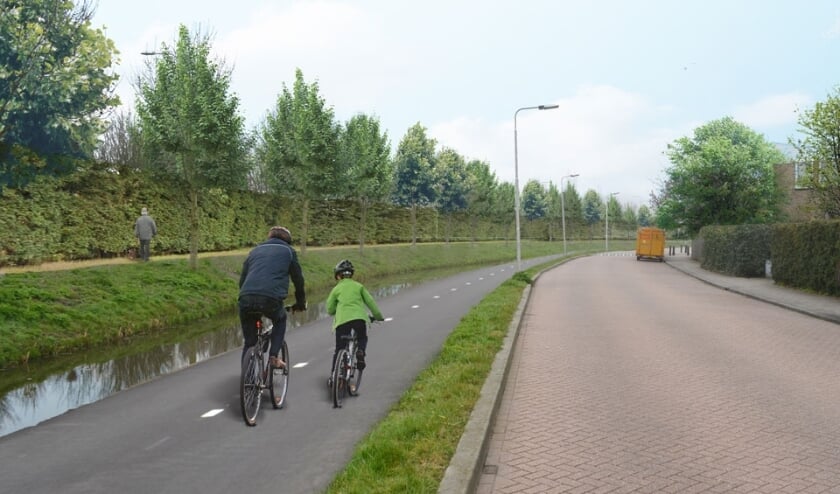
194,228
363,207
413,225
304,225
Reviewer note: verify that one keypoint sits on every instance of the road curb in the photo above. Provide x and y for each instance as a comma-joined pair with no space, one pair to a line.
464,470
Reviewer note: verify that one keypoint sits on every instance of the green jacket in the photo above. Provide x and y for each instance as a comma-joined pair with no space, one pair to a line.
349,300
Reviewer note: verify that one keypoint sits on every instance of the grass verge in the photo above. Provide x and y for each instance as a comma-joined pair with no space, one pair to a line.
410,449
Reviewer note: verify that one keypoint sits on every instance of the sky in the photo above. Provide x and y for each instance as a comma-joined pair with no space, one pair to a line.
629,77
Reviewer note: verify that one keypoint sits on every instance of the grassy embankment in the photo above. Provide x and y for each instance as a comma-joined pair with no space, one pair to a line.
46,312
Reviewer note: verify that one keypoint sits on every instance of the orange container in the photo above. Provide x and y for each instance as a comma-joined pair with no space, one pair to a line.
650,244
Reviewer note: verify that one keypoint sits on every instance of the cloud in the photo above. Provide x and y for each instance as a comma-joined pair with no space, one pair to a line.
598,133
772,111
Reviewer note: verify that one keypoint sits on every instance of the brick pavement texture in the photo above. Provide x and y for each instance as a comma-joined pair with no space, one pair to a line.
630,377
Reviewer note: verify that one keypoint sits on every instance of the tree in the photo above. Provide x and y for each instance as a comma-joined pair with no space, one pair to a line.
613,207
629,217
450,184
481,190
192,130
819,150
533,200
644,216
121,145
300,146
55,86
504,203
723,175
414,167
553,208
365,155
592,207
572,207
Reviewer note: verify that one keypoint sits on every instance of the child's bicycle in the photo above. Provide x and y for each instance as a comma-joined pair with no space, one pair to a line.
258,375
346,377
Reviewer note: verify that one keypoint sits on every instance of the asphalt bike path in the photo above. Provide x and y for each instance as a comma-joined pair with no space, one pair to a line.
184,432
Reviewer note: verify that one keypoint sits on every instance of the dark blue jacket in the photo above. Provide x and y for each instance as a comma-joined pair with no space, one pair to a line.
267,269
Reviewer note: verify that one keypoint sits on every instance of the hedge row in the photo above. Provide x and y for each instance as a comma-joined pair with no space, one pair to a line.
802,255
91,215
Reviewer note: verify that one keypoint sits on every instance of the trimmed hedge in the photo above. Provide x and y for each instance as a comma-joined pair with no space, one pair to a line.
807,255
803,255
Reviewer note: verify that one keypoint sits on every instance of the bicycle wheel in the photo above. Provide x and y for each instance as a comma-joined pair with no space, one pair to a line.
250,392
278,380
339,378
354,381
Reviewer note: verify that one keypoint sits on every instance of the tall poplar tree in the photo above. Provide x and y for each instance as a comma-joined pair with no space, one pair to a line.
414,173
191,126
299,144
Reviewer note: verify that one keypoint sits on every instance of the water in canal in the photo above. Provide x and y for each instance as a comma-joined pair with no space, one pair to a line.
48,388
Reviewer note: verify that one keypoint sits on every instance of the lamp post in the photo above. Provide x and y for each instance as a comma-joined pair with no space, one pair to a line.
516,178
607,227
563,208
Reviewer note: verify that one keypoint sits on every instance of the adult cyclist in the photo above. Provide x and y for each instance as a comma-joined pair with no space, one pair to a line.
264,285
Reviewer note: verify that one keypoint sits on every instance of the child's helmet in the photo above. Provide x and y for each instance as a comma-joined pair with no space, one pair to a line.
344,268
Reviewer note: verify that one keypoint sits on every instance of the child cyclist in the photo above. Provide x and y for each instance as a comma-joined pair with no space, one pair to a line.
349,301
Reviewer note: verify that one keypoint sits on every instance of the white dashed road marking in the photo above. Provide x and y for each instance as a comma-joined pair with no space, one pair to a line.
299,365
212,413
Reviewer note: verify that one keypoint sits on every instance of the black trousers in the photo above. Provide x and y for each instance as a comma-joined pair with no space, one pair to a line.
250,307
360,325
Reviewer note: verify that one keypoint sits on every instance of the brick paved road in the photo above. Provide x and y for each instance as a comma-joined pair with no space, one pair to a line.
633,377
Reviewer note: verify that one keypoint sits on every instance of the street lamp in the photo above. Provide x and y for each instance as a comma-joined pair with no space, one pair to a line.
516,178
607,227
563,208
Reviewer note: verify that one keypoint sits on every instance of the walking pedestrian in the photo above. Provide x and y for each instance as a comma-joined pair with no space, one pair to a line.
144,229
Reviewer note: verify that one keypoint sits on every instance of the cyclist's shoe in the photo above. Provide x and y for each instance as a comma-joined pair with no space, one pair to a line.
352,388
277,362
360,359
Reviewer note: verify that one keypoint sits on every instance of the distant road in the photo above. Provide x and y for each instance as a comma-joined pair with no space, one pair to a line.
183,433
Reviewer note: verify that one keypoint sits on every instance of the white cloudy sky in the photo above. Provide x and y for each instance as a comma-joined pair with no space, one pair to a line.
629,76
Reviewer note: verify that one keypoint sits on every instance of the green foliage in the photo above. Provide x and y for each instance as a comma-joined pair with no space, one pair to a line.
723,175
191,126
299,143
592,207
414,168
450,177
807,255
736,250
54,68
534,202
819,150
645,218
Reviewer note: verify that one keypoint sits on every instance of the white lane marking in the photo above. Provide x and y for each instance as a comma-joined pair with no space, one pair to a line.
415,306
453,289
299,365
212,413
481,278
468,283
436,296
157,443
492,274
388,319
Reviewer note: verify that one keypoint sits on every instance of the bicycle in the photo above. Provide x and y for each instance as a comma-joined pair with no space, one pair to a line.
346,377
258,375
